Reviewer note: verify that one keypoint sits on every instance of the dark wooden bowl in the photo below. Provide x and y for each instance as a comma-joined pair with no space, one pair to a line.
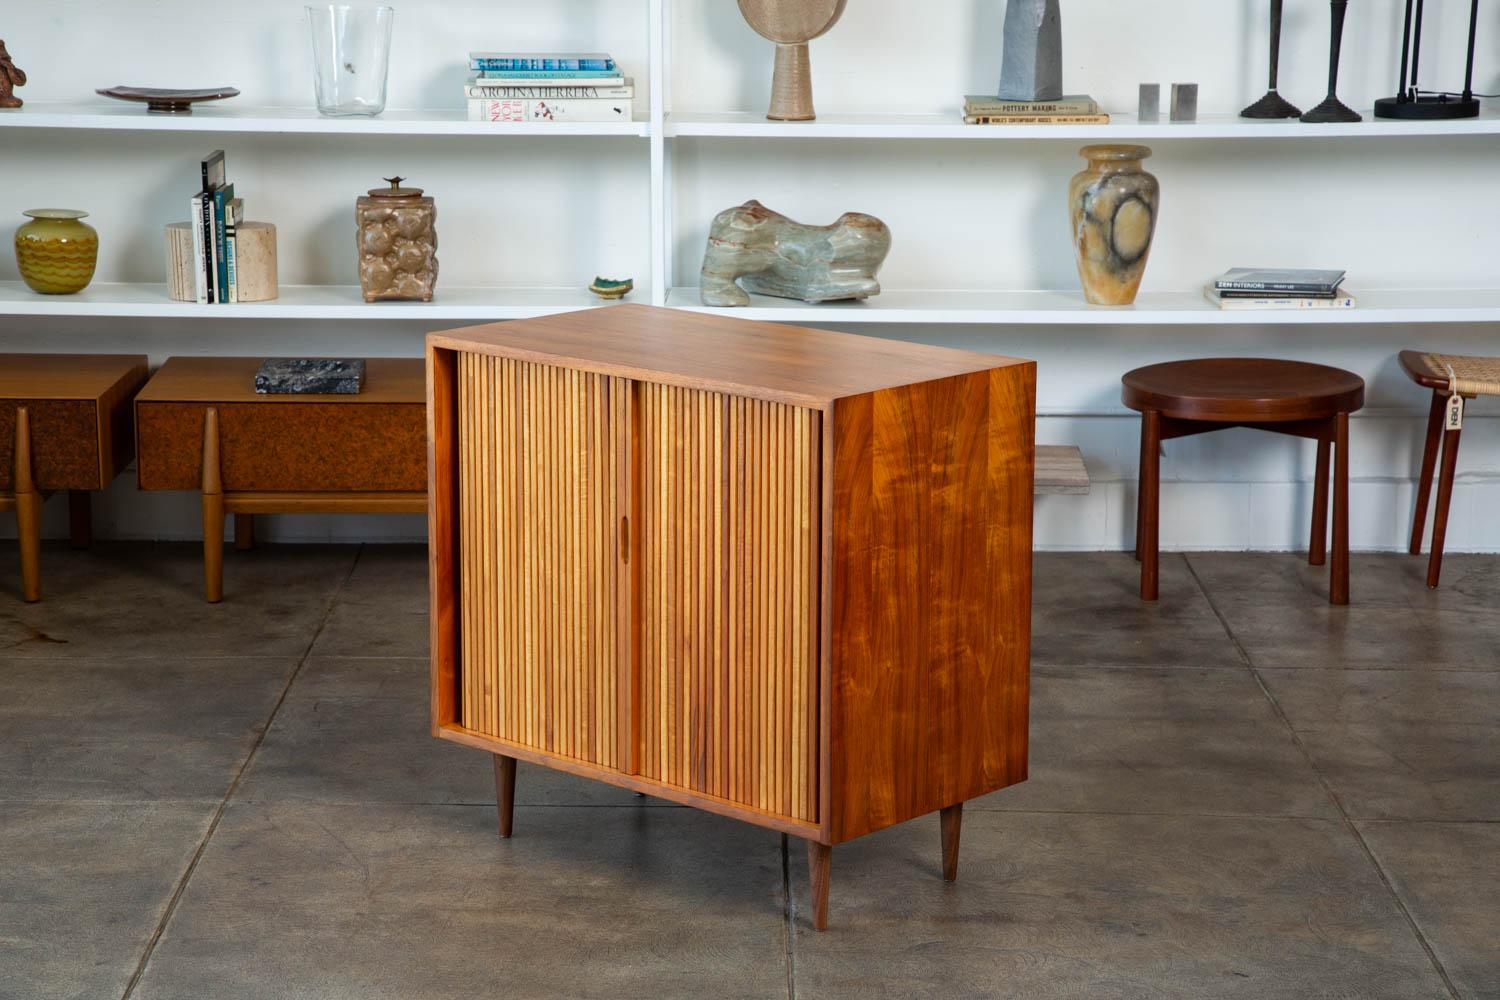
168,102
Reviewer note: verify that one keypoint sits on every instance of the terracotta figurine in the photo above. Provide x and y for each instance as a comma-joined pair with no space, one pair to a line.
11,77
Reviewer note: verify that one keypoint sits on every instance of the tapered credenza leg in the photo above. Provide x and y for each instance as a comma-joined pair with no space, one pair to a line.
213,511
28,510
952,819
818,857
244,532
80,518
505,791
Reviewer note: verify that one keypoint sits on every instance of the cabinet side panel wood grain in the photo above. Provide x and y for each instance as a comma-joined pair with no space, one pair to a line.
931,600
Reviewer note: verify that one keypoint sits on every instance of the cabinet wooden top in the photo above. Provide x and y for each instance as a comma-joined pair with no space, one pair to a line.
720,353
66,376
232,380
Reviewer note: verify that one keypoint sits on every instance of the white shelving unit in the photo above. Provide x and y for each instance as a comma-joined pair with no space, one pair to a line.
661,128
1122,127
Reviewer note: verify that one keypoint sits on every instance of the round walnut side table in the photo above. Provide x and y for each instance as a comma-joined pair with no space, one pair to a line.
1181,398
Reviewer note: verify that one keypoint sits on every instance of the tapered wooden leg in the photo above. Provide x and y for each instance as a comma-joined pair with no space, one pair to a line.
1140,499
1444,500
1150,500
952,819
505,792
28,510
80,518
1318,546
244,532
213,511
818,858
1338,586
1429,462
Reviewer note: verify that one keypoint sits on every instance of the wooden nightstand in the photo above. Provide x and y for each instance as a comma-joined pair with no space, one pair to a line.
64,425
200,425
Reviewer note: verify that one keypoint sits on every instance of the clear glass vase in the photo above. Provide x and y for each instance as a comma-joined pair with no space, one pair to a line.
351,54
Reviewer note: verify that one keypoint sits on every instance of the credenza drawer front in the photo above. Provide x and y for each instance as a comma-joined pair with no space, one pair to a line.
64,443
728,597
286,446
542,456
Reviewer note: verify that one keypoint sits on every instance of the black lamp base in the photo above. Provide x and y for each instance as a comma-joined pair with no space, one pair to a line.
1434,107
1273,105
1332,110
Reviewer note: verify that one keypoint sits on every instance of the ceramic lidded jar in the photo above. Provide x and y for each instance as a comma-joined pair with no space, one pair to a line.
1113,208
397,243
56,251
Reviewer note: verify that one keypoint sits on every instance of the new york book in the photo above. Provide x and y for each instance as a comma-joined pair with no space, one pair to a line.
1273,279
520,110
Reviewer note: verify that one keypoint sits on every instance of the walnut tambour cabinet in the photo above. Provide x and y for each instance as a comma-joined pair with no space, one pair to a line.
779,574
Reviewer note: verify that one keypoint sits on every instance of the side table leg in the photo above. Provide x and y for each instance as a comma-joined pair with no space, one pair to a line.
1317,548
1429,462
952,819
213,511
1444,500
1338,586
28,511
1150,500
818,858
505,792
80,518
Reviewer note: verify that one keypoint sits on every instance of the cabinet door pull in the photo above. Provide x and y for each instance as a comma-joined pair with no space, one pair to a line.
625,540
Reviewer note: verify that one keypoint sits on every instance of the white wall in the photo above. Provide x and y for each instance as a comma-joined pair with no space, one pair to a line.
1396,213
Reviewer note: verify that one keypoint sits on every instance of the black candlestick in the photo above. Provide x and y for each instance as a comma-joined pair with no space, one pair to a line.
1273,105
1332,109
1411,103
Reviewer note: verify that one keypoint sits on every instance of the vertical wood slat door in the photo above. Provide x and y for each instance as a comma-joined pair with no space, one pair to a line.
543,464
728,564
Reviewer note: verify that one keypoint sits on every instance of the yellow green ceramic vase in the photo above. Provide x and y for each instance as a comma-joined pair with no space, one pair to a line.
56,252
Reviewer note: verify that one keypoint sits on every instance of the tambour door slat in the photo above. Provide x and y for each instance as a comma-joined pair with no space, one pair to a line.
539,555
729,545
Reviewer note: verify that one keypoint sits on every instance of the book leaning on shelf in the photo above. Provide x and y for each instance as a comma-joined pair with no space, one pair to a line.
215,215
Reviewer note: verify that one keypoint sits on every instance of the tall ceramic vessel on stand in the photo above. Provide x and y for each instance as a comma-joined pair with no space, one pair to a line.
1113,207
791,24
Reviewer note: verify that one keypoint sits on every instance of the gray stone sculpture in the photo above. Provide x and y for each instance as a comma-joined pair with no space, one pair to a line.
1031,65
769,254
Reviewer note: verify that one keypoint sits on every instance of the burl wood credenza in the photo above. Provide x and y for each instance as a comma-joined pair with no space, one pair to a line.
779,574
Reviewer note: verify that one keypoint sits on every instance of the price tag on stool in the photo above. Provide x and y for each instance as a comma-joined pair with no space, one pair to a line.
1454,419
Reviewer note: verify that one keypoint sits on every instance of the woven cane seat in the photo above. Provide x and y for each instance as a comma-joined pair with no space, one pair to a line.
1472,376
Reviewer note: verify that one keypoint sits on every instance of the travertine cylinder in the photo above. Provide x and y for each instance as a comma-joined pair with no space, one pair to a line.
255,262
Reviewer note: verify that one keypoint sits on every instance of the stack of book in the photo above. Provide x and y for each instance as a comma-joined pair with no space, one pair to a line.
506,88
216,215
1078,109
1278,288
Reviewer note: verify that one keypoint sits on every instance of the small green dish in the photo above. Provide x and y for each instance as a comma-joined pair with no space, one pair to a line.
608,288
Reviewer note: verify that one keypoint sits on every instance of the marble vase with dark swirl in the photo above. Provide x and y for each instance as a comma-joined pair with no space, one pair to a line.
1113,207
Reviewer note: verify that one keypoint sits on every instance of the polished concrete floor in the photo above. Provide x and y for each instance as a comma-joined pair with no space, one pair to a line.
1238,792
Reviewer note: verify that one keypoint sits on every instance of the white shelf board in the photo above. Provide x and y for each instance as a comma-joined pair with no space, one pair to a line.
1122,126
1057,308
320,302
230,117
